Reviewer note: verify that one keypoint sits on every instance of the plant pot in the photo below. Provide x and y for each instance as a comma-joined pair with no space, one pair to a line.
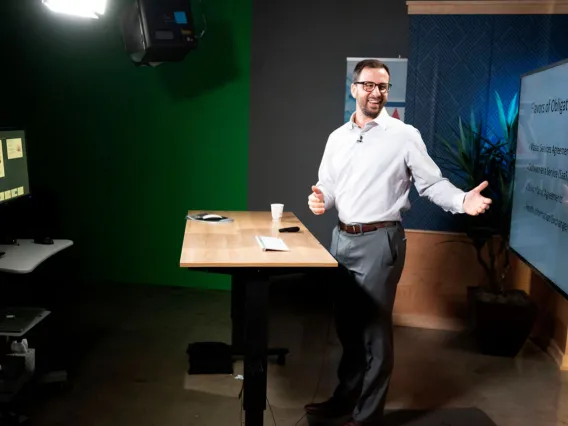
501,322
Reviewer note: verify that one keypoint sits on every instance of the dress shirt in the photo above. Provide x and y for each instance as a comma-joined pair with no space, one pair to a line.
366,173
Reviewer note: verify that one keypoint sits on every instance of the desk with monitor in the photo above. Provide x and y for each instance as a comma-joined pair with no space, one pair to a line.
231,248
18,256
25,255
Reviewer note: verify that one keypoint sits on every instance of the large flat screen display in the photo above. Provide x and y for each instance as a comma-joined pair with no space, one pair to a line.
539,225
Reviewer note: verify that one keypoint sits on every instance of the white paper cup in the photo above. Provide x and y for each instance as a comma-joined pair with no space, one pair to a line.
277,210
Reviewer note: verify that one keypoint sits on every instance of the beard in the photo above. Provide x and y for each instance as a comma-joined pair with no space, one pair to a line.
371,110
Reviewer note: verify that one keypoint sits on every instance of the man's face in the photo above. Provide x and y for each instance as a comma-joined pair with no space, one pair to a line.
371,103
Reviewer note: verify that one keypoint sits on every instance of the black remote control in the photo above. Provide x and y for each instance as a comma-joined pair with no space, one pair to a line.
290,229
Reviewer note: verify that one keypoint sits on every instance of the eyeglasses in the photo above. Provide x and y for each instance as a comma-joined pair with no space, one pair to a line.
369,86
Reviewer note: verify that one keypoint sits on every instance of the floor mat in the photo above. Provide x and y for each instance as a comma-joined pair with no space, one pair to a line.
468,416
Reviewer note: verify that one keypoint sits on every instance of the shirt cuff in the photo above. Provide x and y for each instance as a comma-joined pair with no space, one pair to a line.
458,203
327,199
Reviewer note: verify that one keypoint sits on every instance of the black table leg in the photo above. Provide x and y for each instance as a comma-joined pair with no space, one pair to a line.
238,300
249,334
254,418
256,351
238,297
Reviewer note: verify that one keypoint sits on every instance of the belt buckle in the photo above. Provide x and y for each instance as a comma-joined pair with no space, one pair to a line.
360,225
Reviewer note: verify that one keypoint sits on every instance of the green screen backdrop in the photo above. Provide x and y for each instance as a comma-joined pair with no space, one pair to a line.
126,151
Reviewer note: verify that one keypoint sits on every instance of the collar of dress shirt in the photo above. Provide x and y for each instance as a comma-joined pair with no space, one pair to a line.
381,120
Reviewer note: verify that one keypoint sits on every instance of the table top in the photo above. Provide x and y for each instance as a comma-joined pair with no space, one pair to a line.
25,256
233,244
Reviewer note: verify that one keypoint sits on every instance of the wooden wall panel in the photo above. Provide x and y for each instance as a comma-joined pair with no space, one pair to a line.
432,292
432,289
487,7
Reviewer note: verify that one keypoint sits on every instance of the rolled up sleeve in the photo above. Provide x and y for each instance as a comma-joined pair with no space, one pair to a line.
325,178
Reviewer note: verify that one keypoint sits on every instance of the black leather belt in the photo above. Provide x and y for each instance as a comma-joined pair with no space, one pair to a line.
361,228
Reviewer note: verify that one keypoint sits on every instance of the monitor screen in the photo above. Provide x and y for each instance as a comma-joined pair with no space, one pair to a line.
539,223
14,180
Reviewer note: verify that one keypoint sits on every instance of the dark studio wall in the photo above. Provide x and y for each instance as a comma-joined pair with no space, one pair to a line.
120,152
457,63
12,86
299,51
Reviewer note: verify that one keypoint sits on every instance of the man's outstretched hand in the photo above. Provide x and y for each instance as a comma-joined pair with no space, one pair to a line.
315,201
475,203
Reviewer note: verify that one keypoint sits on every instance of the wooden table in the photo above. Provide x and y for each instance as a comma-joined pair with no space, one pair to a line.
231,248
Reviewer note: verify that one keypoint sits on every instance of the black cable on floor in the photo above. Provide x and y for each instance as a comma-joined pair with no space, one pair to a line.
241,423
272,412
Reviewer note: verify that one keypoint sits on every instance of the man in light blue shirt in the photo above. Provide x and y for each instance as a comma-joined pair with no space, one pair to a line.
366,172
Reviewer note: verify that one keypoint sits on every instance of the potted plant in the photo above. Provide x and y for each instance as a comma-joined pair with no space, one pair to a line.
501,318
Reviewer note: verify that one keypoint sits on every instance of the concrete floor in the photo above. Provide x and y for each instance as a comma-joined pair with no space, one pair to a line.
131,365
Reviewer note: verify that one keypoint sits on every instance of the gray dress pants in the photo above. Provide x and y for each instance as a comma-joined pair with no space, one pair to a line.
370,266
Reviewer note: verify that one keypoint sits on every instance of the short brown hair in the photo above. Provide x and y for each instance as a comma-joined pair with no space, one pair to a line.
368,63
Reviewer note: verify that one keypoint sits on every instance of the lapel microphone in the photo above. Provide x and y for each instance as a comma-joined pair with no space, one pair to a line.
360,139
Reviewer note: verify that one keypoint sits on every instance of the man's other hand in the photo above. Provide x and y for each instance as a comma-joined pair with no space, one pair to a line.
315,201
475,203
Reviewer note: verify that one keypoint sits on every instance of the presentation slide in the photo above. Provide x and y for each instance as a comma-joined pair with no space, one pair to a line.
539,226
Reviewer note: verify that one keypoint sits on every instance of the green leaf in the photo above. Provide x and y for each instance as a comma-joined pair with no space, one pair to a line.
502,119
462,136
513,133
454,153
474,146
513,106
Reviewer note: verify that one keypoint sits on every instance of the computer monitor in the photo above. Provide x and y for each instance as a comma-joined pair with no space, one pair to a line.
14,183
14,178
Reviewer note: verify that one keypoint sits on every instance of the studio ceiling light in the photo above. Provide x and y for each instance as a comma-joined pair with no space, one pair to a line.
84,8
